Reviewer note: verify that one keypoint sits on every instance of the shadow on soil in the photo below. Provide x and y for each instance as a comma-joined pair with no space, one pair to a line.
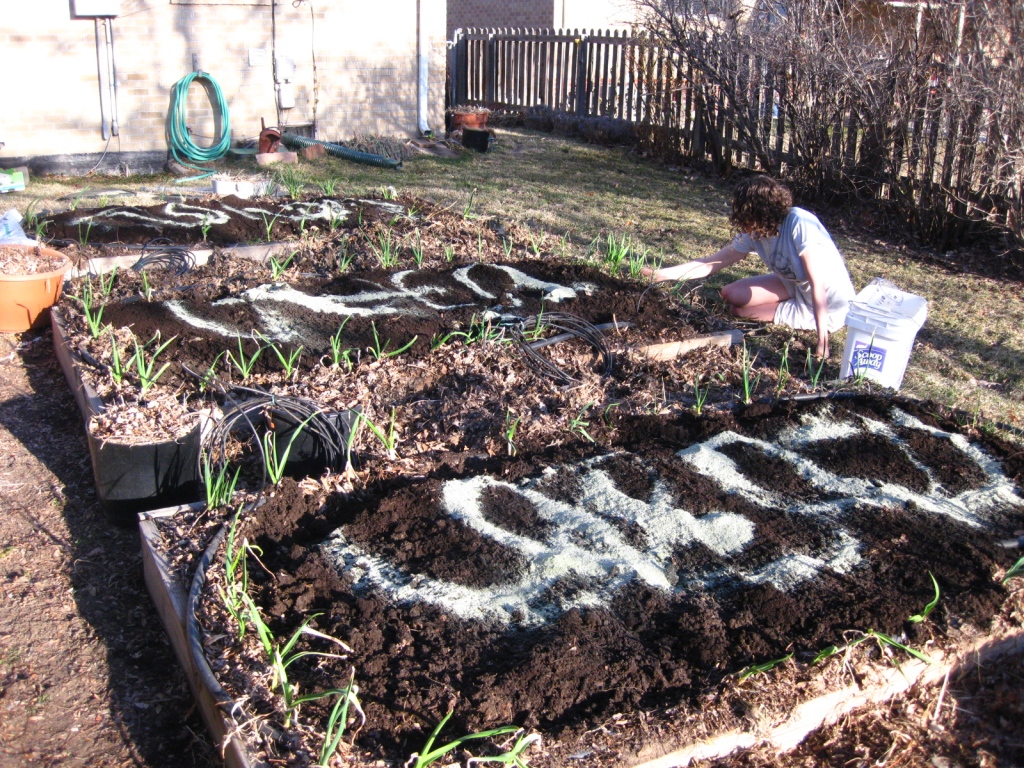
149,697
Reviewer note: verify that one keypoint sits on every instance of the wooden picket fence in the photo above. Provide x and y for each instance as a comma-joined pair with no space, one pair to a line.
943,173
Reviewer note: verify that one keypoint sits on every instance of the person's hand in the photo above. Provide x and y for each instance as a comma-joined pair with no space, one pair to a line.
823,351
654,274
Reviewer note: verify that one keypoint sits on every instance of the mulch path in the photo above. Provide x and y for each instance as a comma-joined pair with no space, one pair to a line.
87,676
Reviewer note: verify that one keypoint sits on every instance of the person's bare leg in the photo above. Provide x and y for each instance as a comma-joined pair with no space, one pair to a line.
756,298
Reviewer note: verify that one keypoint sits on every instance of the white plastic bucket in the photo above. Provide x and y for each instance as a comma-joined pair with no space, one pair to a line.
882,324
242,189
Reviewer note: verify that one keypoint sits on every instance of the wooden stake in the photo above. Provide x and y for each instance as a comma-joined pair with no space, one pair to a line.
673,349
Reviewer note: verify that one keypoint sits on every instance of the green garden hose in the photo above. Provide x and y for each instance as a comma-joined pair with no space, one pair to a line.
179,139
295,141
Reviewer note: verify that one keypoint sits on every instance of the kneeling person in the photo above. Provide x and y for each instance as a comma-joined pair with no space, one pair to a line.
809,287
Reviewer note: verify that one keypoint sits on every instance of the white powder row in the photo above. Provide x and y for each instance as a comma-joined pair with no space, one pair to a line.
270,301
189,216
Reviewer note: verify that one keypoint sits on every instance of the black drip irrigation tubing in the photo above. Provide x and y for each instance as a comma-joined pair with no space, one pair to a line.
162,252
810,397
331,435
193,633
571,326
566,336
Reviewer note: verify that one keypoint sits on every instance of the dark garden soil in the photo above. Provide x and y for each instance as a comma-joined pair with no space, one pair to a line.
602,300
565,666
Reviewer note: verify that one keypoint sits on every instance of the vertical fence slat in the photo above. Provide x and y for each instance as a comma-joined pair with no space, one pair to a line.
620,79
580,95
646,105
940,159
606,78
629,78
767,121
544,78
531,68
557,57
490,91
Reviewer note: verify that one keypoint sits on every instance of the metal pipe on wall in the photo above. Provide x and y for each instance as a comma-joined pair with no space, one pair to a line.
103,72
113,77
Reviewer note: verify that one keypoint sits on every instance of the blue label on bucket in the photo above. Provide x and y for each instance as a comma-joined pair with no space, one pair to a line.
867,356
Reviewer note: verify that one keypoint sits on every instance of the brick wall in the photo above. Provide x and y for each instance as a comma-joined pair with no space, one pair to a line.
595,14
499,13
366,61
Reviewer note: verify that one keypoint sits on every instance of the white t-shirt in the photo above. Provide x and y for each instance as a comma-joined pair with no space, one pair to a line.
800,231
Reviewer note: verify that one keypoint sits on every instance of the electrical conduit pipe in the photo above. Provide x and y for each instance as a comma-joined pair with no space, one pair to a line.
103,72
294,141
114,130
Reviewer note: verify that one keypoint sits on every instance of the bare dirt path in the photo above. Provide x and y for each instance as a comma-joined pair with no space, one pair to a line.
86,674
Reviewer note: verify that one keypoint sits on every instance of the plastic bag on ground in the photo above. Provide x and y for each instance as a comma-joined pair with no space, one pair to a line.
11,232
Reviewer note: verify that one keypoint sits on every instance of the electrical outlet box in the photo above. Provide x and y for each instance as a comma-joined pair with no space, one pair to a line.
285,69
95,8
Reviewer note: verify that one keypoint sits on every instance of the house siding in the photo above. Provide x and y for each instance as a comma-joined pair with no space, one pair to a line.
366,62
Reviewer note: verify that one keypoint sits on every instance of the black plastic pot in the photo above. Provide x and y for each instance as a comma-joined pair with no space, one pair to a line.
473,138
137,477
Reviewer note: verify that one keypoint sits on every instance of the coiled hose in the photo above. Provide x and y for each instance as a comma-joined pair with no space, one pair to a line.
570,325
293,141
179,139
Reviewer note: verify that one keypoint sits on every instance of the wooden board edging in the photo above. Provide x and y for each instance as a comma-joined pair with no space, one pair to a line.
261,252
171,600
673,349
829,708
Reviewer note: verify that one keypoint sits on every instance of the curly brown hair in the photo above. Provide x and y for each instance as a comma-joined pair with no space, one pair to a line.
759,205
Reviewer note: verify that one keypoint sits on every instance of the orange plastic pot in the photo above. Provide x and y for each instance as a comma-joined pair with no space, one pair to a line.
25,300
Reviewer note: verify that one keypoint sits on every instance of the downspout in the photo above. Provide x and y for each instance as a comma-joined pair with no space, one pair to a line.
103,71
423,70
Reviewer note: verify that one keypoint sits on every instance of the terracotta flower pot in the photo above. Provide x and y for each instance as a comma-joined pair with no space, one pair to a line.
25,300
476,119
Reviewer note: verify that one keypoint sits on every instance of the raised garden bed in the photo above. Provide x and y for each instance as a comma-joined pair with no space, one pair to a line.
191,333
169,591
217,221
614,599
130,475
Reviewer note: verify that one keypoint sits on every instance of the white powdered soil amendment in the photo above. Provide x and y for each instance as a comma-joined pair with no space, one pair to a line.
583,549
190,216
270,300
